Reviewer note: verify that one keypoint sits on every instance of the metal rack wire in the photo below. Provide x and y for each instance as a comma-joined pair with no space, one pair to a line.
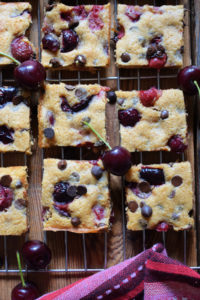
118,79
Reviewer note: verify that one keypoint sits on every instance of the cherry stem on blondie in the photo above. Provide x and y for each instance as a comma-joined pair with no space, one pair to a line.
97,134
20,269
10,57
198,88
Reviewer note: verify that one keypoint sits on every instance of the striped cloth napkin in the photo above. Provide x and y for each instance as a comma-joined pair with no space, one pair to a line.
151,275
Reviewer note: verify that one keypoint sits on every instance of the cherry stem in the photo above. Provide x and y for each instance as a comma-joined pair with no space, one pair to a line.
20,269
12,58
198,88
97,134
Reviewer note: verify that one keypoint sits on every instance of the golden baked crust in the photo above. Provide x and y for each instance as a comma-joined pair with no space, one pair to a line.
171,202
151,132
17,118
165,22
94,45
15,20
76,173
13,220
67,125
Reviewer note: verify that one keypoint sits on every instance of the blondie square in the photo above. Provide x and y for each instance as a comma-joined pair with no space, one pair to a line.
159,196
75,196
13,200
149,36
76,36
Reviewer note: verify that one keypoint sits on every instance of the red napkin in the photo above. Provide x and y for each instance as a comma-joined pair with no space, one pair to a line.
150,275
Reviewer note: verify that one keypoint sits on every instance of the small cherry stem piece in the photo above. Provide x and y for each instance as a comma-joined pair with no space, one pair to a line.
97,134
10,57
20,269
198,88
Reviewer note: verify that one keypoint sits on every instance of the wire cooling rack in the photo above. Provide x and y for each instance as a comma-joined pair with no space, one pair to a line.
97,77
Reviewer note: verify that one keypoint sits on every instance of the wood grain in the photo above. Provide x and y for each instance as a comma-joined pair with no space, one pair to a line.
133,241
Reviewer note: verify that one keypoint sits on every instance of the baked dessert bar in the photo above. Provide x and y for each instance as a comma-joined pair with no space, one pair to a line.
62,109
159,196
152,120
13,200
75,196
149,36
76,36
15,20
14,120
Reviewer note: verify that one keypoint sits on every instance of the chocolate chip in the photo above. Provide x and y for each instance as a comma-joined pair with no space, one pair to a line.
55,62
81,190
81,93
150,51
112,97
175,216
146,211
177,180
75,176
69,87
191,212
80,60
164,114
6,180
125,57
62,164
97,172
18,184
75,221
172,194
17,100
86,119
71,191
182,49
49,133
133,206
142,204
20,204
144,187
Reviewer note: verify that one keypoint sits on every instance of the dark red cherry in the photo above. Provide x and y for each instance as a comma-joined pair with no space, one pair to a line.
117,161
95,22
149,97
129,117
50,42
176,144
99,211
79,12
162,227
186,78
6,197
62,193
158,62
30,74
21,49
36,254
70,40
27,292
6,135
152,175
6,94
134,15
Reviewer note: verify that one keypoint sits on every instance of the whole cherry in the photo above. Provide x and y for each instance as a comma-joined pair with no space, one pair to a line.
189,80
30,73
24,290
117,160
36,254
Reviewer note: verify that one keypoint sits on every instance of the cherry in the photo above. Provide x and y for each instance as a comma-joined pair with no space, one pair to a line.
117,160
79,12
61,194
186,79
36,254
6,135
176,144
149,97
21,49
129,117
99,211
158,63
134,15
95,22
162,227
30,74
152,175
6,197
24,290
70,40
50,42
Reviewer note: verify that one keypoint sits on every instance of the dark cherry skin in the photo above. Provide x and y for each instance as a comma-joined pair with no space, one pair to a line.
152,175
70,40
6,135
49,42
21,49
30,74
36,254
60,194
6,94
6,197
186,78
176,144
28,292
133,14
117,161
162,227
129,117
